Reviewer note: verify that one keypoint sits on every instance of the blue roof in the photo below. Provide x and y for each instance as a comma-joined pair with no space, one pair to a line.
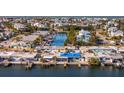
71,55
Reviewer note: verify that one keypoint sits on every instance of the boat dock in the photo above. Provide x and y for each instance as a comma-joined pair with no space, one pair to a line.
65,64
30,65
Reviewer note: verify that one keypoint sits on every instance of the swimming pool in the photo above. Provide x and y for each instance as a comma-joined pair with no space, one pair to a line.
71,55
59,39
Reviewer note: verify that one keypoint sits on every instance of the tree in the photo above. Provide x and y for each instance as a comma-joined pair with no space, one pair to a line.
30,28
17,38
8,24
38,40
94,61
80,43
66,50
16,31
54,59
71,39
89,28
116,38
93,38
66,42
122,28
42,59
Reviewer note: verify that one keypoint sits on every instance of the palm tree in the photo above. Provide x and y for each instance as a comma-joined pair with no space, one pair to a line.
42,60
54,59
94,61
66,50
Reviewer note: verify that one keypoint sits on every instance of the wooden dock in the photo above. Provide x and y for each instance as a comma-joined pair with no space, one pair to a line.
65,64
29,66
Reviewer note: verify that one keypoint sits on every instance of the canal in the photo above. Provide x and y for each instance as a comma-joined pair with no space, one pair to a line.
59,39
60,71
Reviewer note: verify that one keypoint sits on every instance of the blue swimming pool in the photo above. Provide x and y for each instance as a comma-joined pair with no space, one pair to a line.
59,39
71,55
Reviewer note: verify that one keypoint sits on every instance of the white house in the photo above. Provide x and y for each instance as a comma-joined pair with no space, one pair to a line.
113,31
39,24
112,23
116,33
19,26
83,35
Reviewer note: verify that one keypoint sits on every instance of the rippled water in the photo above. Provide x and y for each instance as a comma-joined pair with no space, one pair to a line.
60,71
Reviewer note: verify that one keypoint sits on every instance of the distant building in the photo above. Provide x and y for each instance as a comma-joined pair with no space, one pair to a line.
113,31
19,26
39,24
43,33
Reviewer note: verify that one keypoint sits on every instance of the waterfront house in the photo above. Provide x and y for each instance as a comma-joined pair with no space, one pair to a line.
17,56
23,56
121,51
61,59
6,54
48,58
106,54
71,56
60,54
111,58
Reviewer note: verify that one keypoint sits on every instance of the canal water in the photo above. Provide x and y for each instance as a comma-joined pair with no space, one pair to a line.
59,39
60,71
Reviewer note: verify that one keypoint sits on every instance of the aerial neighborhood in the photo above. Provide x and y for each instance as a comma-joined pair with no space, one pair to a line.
62,40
